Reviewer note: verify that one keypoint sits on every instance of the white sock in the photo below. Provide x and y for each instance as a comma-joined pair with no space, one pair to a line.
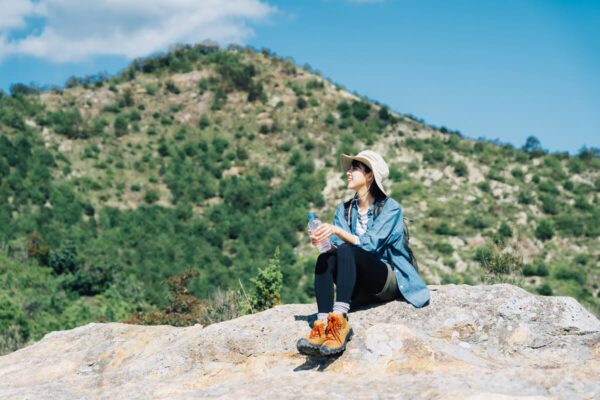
323,317
341,308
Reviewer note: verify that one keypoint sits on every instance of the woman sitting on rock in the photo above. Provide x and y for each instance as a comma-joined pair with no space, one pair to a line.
368,261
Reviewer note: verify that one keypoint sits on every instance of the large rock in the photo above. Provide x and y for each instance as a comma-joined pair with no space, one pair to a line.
471,342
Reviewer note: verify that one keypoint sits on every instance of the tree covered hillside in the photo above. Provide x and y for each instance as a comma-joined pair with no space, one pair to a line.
210,159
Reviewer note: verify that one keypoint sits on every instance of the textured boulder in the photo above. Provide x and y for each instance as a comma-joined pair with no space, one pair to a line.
471,342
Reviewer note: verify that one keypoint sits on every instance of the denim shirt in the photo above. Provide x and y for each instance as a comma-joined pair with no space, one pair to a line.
384,238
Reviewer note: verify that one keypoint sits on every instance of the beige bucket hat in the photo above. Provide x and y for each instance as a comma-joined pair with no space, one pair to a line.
373,160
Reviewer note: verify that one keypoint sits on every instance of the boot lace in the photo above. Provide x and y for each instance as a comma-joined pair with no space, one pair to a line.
317,331
334,325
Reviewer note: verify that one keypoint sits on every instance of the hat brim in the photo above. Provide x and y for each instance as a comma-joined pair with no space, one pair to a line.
346,161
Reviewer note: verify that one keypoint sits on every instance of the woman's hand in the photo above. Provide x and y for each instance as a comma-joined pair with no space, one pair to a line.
322,232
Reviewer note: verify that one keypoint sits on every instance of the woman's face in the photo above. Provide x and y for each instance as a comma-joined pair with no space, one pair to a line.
356,176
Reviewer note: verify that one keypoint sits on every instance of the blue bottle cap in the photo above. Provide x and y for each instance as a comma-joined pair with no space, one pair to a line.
311,216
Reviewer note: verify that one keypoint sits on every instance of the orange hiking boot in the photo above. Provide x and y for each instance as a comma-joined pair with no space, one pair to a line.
337,334
310,346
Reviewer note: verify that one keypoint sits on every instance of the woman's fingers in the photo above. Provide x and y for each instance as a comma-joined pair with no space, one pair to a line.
323,232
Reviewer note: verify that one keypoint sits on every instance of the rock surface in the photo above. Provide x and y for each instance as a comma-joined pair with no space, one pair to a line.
471,342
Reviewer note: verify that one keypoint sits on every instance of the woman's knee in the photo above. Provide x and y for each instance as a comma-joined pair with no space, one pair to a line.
346,248
323,262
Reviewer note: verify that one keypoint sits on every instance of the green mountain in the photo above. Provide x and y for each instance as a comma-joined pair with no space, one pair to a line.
211,159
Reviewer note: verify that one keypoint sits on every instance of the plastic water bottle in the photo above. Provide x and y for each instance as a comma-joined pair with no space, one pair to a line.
313,223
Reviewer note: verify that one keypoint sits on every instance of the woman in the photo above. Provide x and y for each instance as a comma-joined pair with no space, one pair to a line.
368,262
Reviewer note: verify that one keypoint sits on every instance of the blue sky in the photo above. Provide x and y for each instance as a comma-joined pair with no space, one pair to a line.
501,70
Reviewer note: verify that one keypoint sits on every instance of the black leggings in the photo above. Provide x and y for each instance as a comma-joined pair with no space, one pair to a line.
352,269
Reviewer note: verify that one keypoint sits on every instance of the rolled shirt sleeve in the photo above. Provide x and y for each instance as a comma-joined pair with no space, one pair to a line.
339,220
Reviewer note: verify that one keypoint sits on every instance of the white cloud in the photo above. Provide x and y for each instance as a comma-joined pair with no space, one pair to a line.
78,29
14,12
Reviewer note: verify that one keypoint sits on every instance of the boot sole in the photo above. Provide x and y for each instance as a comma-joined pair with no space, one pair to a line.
328,351
307,348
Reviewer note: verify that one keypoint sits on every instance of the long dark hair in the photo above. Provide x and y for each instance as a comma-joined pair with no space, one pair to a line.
374,189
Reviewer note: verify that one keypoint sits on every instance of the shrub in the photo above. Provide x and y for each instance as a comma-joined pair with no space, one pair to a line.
444,247
220,144
494,174
454,142
575,165
384,113
265,173
314,84
460,169
111,108
309,145
582,203
151,89
344,109
545,230
483,253
128,96
401,189
436,155
565,273
533,147
255,91
538,269
548,187
445,229
570,224
550,204
151,196
592,227
38,248
525,197
135,116
360,110
545,289
14,326
496,263
241,153
120,125
203,85
568,185
267,285
204,122
69,123
542,269
416,144
582,259
477,221
582,188
329,119
183,308
98,125
505,230
484,186
63,259
301,103
529,270
517,172
170,87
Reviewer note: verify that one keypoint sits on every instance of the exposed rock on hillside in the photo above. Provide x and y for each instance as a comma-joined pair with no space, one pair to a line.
472,342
